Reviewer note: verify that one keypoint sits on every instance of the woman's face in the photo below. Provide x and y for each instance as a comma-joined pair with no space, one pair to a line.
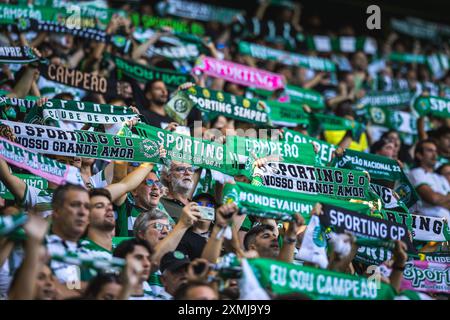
388,150
45,285
395,139
109,291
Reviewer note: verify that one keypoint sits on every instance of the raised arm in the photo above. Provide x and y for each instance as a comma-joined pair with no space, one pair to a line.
130,182
290,238
24,287
400,257
189,215
224,214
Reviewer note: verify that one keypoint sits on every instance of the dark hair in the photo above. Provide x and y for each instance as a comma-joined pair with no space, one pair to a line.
419,148
251,235
182,291
96,192
96,284
344,108
127,246
149,85
439,132
441,167
59,196
377,146
64,96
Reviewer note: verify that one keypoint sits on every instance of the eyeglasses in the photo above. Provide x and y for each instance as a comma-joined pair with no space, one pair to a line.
160,226
184,169
151,182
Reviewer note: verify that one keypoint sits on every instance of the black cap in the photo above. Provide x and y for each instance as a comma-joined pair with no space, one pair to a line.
173,261
205,196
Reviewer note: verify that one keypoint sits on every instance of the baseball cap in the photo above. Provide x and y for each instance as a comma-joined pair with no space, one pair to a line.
174,260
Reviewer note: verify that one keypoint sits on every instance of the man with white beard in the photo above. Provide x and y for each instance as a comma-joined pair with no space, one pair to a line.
180,183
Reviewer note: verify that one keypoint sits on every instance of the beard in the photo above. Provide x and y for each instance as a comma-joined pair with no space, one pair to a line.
180,186
105,225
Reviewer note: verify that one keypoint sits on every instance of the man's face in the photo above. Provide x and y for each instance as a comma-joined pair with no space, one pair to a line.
173,279
181,177
157,230
266,244
109,291
428,157
149,192
141,255
101,215
73,217
158,93
444,144
45,285
201,293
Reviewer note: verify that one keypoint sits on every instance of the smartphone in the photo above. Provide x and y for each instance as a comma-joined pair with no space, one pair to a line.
207,213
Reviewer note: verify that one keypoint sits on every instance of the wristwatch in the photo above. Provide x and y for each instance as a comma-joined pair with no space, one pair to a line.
289,240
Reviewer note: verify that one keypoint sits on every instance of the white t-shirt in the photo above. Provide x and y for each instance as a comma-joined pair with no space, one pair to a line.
418,177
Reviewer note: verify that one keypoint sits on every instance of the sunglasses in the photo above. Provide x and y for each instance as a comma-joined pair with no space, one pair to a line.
151,182
184,169
160,226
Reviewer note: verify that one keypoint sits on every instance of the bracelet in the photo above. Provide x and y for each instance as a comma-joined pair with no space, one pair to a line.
289,240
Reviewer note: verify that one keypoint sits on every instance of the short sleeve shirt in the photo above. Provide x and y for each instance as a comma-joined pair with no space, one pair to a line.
437,183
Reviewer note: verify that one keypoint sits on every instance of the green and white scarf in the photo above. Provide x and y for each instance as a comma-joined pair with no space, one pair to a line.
379,167
75,111
325,149
363,226
93,34
309,97
86,260
413,29
286,114
321,121
87,144
341,44
9,13
29,179
177,25
271,30
191,150
293,94
144,73
387,99
289,151
11,223
271,203
287,58
392,119
407,57
17,55
38,164
438,63
423,228
315,180
287,278
434,106
215,103
196,11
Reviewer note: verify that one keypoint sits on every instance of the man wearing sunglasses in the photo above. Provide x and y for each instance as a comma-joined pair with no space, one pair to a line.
180,180
145,197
